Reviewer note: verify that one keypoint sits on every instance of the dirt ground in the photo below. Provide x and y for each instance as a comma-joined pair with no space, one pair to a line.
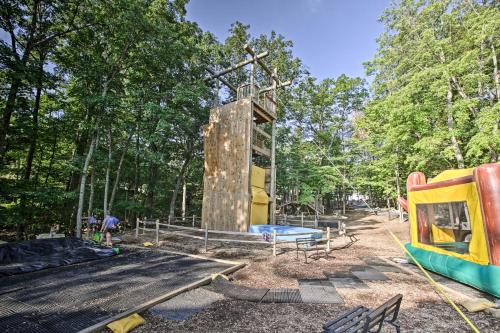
422,309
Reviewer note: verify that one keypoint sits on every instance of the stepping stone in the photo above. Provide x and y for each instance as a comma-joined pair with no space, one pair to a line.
369,274
319,291
315,282
339,274
237,291
359,268
282,295
186,304
371,260
345,280
389,268
380,265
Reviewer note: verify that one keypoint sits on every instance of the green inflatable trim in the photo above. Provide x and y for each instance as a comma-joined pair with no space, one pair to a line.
482,277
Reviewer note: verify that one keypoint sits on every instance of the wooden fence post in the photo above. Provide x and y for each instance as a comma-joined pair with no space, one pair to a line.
342,228
136,227
284,221
194,217
169,217
302,219
157,230
316,220
144,225
328,239
274,243
206,238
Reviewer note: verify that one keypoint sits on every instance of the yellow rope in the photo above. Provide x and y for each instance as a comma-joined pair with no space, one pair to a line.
435,284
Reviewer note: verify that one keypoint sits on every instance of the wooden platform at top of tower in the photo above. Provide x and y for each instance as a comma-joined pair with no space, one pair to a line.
234,140
265,98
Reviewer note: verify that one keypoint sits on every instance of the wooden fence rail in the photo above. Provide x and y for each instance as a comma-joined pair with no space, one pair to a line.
325,237
309,220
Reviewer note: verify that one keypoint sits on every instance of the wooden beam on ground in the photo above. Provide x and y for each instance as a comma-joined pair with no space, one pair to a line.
221,79
238,65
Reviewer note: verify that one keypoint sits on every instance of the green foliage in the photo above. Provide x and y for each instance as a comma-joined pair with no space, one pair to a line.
73,72
433,85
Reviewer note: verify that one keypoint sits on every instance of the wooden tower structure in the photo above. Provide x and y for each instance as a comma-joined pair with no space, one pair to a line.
235,142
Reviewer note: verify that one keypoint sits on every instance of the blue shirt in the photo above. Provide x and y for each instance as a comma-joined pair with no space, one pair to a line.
110,222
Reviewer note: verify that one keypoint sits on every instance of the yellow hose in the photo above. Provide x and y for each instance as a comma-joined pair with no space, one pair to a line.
435,284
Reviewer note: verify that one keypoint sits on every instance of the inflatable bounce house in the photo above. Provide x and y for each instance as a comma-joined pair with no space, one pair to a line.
455,224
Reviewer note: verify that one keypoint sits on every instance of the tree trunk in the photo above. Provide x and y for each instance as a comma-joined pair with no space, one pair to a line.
108,171
80,142
496,73
180,179
450,121
495,157
462,94
343,197
92,191
451,124
398,190
136,170
7,114
118,172
31,153
92,182
370,199
184,201
388,209
34,129
82,185
17,81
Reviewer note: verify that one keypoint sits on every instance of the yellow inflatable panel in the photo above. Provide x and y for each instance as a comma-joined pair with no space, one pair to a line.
126,324
258,177
451,174
259,196
478,252
440,235
259,210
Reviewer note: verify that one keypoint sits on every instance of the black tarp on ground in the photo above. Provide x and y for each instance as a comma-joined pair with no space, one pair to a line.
33,255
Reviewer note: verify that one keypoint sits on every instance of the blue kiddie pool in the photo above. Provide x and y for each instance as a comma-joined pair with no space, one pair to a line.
267,230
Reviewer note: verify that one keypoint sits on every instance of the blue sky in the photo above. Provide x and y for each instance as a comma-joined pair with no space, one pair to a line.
330,36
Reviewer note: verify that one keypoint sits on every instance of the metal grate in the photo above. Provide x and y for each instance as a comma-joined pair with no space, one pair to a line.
282,296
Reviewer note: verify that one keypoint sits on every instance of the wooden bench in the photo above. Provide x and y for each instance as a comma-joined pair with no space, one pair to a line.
353,238
361,319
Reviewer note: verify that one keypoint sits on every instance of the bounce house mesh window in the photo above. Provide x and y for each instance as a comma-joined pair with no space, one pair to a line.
445,225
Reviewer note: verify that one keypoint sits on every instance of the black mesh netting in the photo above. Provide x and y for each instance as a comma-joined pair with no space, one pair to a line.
71,298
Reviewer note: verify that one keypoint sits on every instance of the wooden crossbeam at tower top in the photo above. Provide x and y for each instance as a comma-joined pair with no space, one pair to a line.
255,59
